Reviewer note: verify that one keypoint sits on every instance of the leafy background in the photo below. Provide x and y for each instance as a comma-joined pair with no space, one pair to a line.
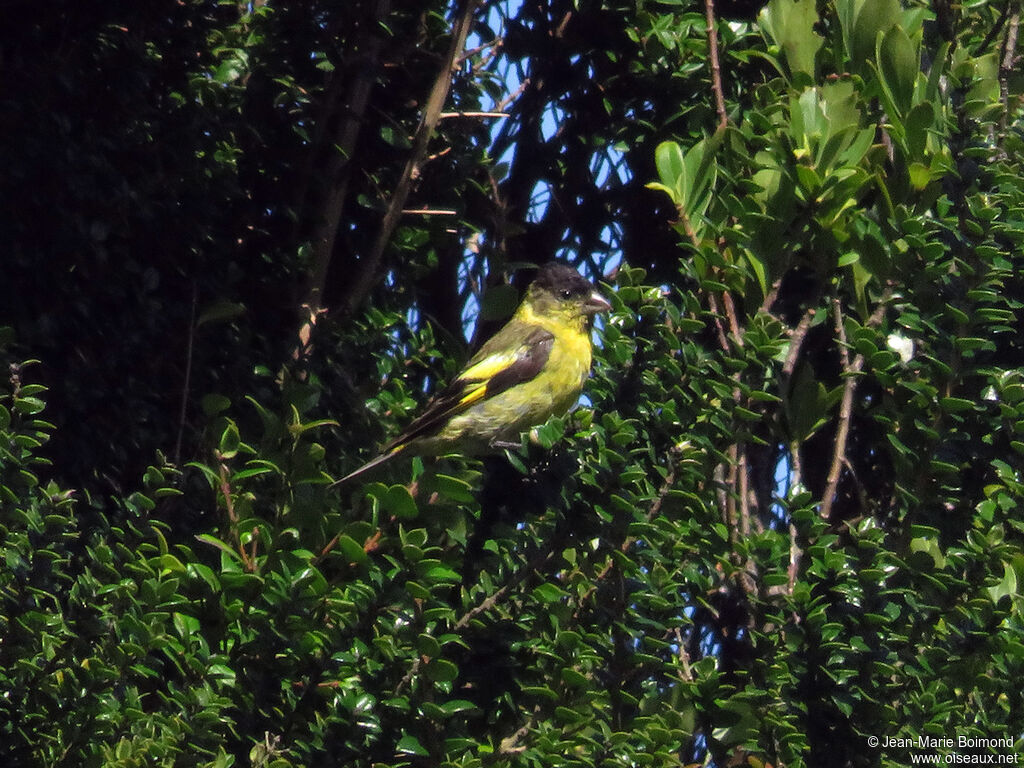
245,241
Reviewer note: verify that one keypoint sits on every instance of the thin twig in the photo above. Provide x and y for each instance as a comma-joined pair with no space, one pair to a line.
795,551
431,115
716,69
430,211
851,369
514,95
723,338
229,504
495,43
560,29
685,674
510,744
186,385
730,496
492,600
450,115
354,97
730,313
845,411
995,29
770,296
796,341
1006,66
744,490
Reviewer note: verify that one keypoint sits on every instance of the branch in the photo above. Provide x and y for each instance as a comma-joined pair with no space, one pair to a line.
1006,65
994,30
796,341
685,674
771,296
723,339
744,490
450,115
510,744
186,385
492,600
356,96
795,552
730,313
716,69
431,115
851,369
430,211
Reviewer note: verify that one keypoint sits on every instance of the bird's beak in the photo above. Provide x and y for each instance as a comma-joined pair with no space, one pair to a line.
596,304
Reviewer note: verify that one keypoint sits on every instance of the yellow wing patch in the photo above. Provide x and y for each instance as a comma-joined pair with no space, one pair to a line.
474,395
491,365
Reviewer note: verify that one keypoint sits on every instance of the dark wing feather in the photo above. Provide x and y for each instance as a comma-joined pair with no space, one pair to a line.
534,354
481,380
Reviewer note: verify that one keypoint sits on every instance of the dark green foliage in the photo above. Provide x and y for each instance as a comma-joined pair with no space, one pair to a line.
786,522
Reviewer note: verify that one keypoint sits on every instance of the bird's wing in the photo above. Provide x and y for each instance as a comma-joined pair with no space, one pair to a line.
499,365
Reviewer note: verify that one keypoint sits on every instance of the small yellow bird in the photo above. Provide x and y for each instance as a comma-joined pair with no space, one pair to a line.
533,368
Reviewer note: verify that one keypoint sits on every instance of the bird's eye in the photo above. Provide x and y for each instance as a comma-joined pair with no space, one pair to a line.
565,293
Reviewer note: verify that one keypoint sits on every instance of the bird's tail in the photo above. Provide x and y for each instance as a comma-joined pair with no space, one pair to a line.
386,456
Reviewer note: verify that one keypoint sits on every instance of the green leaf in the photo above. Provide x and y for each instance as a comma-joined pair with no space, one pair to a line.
791,25
668,159
456,706
29,405
863,21
229,441
898,65
353,551
919,122
220,312
956,404
410,745
1007,586
399,502
441,670
540,691
929,546
213,541
427,645
549,593
757,267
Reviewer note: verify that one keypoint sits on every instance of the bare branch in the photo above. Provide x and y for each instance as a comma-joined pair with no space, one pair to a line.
723,339
353,97
430,211
450,115
716,69
795,551
1006,66
685,674
431,115
771,296
851,369
186,384
796,341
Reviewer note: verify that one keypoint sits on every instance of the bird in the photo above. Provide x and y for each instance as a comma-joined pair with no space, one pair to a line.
532,368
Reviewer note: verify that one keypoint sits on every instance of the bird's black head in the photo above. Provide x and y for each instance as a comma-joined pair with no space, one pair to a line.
572,293
562,281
